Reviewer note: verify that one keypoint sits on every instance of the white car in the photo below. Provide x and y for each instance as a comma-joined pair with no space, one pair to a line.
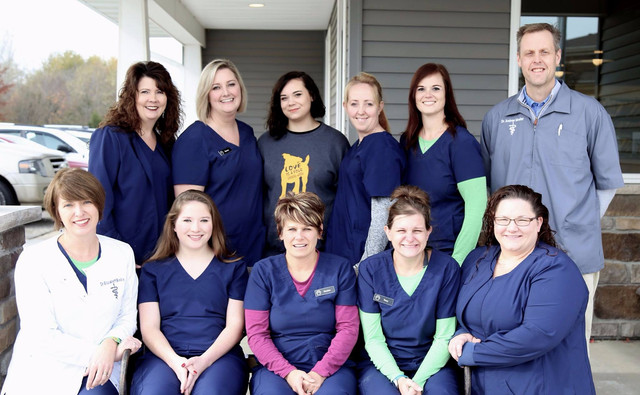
77,151
25,173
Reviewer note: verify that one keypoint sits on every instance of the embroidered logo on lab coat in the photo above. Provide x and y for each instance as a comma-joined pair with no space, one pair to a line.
512,123
324,291
113,285
383,299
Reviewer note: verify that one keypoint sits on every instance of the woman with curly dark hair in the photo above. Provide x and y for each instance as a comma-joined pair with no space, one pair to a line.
521,305
130,155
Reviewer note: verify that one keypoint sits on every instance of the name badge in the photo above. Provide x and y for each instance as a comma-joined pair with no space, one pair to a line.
383,299
224,151
324,291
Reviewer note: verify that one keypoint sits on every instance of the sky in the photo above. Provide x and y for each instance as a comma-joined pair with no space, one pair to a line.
36,29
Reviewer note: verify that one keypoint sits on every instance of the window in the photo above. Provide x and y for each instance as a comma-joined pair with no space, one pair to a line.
599,59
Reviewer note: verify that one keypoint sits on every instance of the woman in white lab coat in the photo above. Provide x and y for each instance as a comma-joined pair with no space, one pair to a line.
76,295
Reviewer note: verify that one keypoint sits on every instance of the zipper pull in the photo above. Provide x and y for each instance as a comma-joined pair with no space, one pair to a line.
535,122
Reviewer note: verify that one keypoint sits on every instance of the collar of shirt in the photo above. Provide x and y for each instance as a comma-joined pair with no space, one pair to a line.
537,106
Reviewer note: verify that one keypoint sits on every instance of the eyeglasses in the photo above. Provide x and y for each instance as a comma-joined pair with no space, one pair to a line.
520,221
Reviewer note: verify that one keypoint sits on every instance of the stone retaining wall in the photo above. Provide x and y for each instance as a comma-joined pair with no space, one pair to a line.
12,221
617,300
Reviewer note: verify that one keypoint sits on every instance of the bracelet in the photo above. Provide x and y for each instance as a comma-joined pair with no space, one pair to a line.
115,339
395,381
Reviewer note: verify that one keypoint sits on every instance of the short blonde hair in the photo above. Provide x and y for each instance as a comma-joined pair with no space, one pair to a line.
73,185
203,107
305,208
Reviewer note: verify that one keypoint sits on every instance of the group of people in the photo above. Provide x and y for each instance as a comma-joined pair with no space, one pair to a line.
235,234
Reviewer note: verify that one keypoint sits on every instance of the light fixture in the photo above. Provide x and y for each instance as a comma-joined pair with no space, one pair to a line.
597,62
256,5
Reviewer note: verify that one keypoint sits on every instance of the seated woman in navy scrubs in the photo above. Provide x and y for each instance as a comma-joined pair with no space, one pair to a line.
301,314
76,296
407,299
370,171
521,305
130,155
191,310
218,154
444,160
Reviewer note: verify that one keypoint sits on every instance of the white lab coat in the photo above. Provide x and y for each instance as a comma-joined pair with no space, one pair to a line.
61,324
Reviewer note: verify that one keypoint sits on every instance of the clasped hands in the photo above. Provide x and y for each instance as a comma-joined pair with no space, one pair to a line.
303,383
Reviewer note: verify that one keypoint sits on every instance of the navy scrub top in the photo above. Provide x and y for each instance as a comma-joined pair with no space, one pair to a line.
302,327
408,322
192,311
232,176
371,168
449,161
138,187
530,322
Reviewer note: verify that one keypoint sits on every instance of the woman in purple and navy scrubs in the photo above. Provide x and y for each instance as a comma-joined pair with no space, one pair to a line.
218,154
301,314
370,171
191,309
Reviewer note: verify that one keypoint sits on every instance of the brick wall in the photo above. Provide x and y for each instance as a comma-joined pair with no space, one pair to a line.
617,300
12,238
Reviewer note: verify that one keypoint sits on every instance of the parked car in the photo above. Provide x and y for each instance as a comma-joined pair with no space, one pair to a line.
81,132
77,151
25,173
73,159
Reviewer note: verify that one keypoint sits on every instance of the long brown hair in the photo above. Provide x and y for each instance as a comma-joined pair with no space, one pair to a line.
366,78
452,116
487,236
168,244
124,114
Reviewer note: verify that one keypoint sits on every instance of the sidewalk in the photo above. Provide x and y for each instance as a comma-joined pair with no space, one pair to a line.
616,366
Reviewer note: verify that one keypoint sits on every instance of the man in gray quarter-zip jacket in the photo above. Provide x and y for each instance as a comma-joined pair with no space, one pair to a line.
560,143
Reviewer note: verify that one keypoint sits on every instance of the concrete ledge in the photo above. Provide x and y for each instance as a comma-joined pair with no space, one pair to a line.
14,216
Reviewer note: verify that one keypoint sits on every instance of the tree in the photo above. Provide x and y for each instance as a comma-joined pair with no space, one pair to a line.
67,89
8,73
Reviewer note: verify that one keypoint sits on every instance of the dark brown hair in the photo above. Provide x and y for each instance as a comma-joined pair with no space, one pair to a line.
305,208
277,122
168,243
73,185
409,200
124,114
487,236
452,116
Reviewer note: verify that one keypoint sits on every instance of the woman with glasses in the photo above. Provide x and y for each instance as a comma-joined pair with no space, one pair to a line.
521,305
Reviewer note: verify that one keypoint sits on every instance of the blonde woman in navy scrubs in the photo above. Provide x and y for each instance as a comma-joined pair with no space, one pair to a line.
301,314
191,309
130,155
218,154
370,171
521,305
407,299
444,160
